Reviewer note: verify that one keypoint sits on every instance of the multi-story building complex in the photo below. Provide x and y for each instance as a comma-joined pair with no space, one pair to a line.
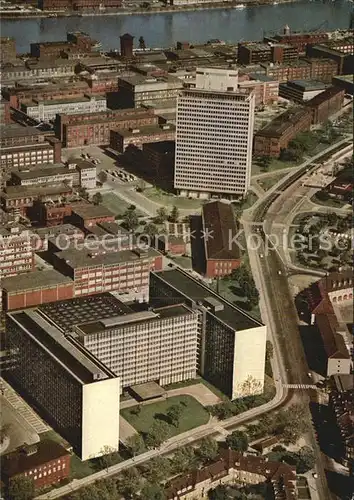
49,214
345,45
345,82
304,69
35,288
157,345
275,136
326,104
298,39
75,5
214,137
232,467
77,39
47,110
221,252
16,250
19,199
46,463
301,90
121,139
264,88
342,404
257,52
70,388
344,61
7,49
322,298
97,268
94,129
231,344
137,91
37,70
22,147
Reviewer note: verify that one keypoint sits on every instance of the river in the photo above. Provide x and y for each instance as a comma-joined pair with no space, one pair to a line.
165,29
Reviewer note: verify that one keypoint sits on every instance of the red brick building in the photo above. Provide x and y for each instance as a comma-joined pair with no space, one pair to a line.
18,199
4,112
304,69
222,254
120,140
49,214
270,140
78,4
46,463
257,52
86,215
298,39
326,104
35,288
94,128
174,245
7,49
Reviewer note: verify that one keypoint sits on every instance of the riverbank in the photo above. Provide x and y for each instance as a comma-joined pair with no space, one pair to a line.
237,5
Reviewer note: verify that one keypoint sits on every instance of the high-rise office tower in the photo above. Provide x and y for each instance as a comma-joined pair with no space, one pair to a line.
214,136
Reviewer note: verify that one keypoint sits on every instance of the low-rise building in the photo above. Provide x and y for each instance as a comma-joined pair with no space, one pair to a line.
257,52
5,118
47,174
304,69
139,90
37,70
78,5
71,389
49,214
299,39
94,129
35,288
232,467
343,60
47,110
326,104
301,90
171,244
45,463
265,89
121,139
86,215
222,254
345,82
19,199
271,139
231,344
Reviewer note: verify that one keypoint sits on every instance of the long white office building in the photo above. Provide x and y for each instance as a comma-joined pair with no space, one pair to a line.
214,136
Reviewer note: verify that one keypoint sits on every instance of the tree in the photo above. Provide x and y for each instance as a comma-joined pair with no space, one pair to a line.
269,350
97,199
157,469
264,162
174,414
102,176
84,193
109,457
237,440
208,449
152,491
174,216
161,215
184,459
306,460
158,433
136,444
142,44
292,423
219,493
151,230
21,488
4,431
130,219
129,482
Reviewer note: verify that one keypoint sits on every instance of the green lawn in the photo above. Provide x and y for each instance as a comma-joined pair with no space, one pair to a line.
116,204
170,200
269,182
275,165
194,414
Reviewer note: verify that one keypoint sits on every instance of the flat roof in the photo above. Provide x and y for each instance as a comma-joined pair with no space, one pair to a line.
18,191
130,317
279,124
146,130
64,349
148,390
68,313
33,280
197,291
16,130
69,100
91,258
89,210
43,172
57,230
308,84
345,78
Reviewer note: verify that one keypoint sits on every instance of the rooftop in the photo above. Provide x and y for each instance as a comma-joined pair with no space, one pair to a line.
50,170
68,313
148,80
87,258
12,192
196,291
280,124
325,96
343,382
129,317
146,130
90,211
54,231
308,84
64,349
16,130
69,100
219,222
18,461
34,280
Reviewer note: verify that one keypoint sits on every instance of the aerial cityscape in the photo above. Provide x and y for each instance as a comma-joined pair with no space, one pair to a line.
176,250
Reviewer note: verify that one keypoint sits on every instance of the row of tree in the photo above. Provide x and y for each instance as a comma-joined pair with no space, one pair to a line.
131,219
245,281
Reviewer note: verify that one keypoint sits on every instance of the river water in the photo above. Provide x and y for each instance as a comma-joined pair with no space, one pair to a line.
165,29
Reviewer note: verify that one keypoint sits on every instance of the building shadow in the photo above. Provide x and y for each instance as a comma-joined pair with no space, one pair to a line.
342,486
197,244
314,349
327,430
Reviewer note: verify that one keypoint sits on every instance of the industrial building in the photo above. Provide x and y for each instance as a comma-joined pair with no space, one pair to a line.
231,344
138,90
214,136
71,389
121,139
